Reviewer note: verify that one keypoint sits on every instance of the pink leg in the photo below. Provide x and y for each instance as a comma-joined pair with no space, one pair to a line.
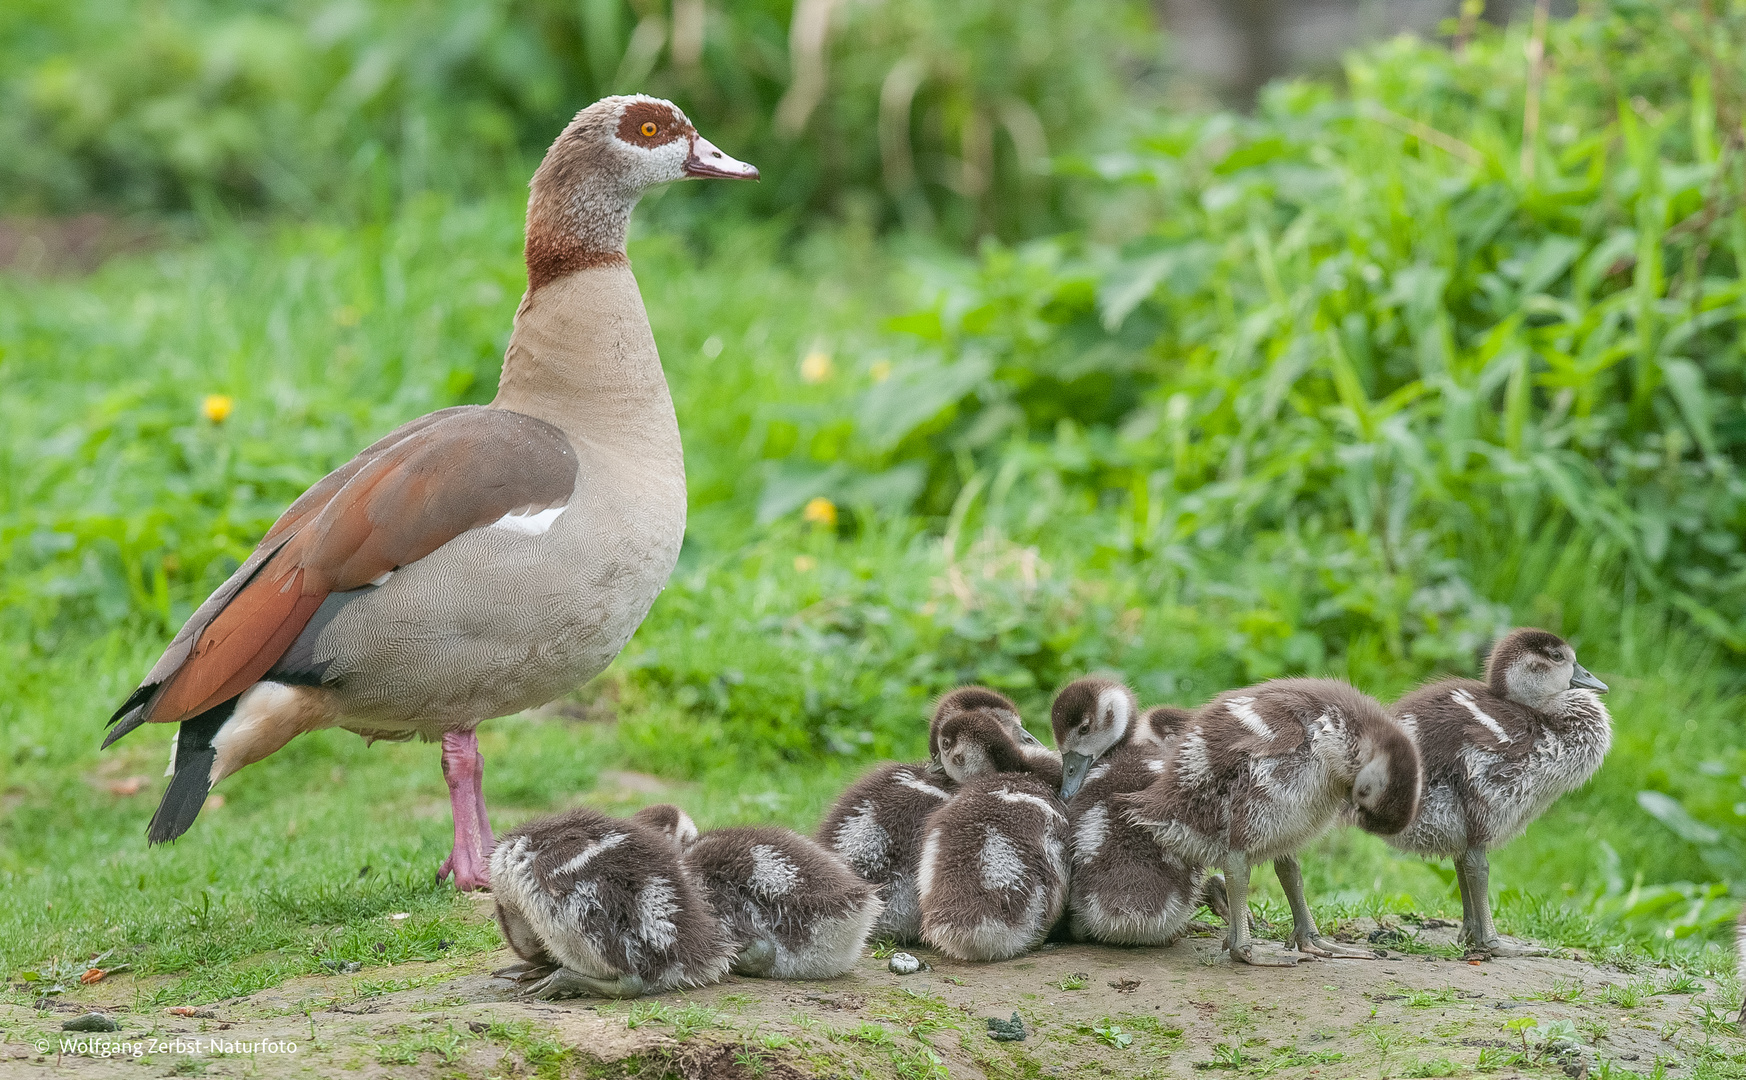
464,770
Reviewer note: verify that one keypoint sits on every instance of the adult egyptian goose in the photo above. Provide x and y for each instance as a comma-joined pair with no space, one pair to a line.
1260,772
1497,754
992,879
602,906
793,909
878,823
477,561
1125,888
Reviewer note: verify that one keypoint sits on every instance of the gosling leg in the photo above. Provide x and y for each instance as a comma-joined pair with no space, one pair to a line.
1479,877
1304,934
1242,947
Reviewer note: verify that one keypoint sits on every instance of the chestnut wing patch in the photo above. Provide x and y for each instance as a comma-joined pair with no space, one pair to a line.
398,501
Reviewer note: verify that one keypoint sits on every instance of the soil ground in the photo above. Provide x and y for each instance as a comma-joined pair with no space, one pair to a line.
1087,1011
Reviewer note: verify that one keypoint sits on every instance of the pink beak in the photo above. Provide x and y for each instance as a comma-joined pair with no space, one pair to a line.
706,160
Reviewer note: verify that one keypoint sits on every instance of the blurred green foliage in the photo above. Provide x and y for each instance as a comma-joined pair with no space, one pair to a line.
1345,386
936,113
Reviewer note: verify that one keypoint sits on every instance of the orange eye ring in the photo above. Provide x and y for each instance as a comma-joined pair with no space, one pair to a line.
649,129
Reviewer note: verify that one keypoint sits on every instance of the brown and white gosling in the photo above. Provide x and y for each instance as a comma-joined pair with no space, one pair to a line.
792,909
1497,754
878,824
1039,759
598,905
992,880
1125,888
1260,772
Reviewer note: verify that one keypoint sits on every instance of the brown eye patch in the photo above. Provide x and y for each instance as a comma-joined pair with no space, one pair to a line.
647,123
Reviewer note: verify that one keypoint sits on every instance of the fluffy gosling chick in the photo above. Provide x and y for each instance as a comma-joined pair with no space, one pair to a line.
1125,889
1497,754
877,825
1039,759
602,906
793,909
992,879
1260,772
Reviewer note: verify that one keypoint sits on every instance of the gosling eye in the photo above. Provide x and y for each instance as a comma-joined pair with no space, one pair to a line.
1084,727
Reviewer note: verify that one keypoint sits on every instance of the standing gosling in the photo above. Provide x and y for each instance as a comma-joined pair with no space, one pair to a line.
993,873
793,909
1497,754
1260,772
606,903
1125,888
878,824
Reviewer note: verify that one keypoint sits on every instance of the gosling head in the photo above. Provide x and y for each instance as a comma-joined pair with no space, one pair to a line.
1089,717
1385,791
673,823
582,194
1532,667
974,743
968,698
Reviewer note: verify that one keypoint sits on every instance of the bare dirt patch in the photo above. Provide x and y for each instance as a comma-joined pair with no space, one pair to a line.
1086,1011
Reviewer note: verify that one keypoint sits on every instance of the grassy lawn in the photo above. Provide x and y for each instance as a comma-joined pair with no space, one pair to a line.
783,658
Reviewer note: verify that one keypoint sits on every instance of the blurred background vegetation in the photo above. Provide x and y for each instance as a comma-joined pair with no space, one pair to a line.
1028,357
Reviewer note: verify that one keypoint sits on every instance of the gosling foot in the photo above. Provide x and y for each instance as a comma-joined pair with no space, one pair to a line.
1508,947
564,983
756,960
1254,956
526,971
1328,949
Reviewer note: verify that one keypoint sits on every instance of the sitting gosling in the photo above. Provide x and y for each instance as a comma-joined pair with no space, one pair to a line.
606,903
993,873
1125,888
877,825
792,909
1039,759
1260,772
1497,754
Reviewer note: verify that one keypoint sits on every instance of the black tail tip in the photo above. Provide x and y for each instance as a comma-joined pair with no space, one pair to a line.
183,798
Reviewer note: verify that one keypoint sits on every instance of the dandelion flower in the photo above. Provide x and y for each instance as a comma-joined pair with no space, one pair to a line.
217,407
820,511
816,368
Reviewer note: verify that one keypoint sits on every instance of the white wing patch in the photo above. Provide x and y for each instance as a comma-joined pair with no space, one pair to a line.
581,858
1007,794
1002,865
1243,709
528,524
1467,701
916,783
1155,765
1090,833
773,873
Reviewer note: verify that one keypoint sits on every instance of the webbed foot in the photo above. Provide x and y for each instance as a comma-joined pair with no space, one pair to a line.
1250,954
526,971
1328,949
756,960
564,983
1508,947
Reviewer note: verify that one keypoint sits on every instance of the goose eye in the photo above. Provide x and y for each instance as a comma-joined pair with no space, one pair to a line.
1084,727
649,129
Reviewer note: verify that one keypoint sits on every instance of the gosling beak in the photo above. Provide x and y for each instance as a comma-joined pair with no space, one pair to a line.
1583,679
1073,769
706,160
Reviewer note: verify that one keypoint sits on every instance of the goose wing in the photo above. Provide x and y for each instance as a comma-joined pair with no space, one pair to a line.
402,498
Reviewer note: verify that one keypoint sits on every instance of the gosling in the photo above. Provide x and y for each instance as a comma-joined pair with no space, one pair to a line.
1497,754
878,824
602,906
1260,772
792,909
992,880
1125,889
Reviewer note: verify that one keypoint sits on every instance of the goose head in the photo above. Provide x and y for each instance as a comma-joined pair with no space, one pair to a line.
673,823
968,698
1385,791
1089,717
1532,667
976,742
581,196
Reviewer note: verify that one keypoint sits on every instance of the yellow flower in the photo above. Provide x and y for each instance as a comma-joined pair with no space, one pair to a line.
881,370
805,564
816,368
820,511
217,407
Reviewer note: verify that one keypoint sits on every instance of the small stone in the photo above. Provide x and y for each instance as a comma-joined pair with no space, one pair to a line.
1006,1030
904,964
92,1021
